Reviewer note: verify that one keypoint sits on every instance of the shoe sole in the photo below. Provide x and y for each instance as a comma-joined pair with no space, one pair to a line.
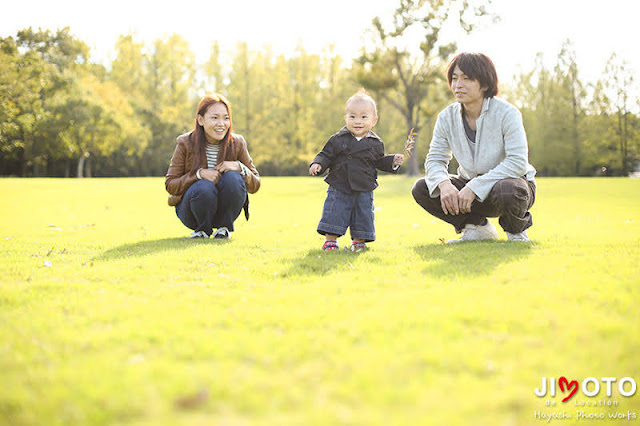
470,241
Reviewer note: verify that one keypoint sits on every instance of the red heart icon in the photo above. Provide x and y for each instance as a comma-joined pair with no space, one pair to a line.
573,384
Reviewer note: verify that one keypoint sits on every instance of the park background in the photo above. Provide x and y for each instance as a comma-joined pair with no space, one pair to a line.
109,315
104,90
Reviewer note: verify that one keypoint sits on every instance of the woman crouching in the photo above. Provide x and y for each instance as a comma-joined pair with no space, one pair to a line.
211,172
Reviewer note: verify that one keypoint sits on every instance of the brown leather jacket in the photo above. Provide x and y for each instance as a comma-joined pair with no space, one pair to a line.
179,176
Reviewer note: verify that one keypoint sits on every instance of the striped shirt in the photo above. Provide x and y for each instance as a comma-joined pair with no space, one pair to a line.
212,159
212,154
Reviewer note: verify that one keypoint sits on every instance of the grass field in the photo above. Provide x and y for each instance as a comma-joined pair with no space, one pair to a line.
109,315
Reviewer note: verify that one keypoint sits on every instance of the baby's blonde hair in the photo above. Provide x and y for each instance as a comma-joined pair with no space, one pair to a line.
362,95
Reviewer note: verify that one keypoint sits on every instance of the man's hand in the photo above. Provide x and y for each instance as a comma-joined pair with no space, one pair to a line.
210,174
398,159
465,199
314,169
449,198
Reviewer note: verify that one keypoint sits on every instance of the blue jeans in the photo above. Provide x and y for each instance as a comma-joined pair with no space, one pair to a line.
353,211
206,205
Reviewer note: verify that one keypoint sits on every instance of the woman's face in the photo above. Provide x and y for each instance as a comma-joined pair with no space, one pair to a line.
465,89
216,122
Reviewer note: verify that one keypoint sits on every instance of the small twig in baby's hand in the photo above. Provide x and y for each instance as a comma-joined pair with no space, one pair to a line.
408,145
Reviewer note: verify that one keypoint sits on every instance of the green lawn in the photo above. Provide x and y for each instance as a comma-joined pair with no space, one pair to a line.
109,315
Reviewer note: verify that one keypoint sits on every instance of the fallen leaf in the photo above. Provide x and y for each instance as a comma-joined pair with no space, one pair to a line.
192,401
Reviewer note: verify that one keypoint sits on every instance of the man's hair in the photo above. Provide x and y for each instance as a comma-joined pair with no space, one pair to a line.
362,95
478,67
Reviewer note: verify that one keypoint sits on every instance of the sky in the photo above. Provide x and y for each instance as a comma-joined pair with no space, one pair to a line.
596,28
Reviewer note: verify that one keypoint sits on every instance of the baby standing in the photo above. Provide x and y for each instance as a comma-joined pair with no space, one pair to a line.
352,157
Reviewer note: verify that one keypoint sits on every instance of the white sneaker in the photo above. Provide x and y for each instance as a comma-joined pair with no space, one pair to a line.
477,233
198,234
519,237
222,233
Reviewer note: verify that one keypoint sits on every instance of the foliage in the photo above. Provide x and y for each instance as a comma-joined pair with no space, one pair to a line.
61,115
571,133
405,76
287,107
111,316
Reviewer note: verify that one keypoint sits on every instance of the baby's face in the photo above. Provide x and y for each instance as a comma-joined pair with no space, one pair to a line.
360,117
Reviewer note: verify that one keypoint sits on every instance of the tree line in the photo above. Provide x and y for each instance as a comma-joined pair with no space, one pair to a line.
63,115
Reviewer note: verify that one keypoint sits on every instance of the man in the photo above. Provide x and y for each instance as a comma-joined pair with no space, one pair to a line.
487,138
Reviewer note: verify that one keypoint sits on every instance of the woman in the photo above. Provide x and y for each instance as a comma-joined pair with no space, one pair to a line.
486,136
211,172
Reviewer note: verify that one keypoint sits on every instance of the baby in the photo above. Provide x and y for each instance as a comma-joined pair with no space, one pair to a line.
352,156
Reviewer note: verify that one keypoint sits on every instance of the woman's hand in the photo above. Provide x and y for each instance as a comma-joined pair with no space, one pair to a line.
398,159
227,166
211,175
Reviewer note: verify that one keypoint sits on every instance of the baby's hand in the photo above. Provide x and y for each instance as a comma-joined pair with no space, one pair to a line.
314,169
398,159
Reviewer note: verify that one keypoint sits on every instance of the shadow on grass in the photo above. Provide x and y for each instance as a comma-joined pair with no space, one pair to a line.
470,259
145,248
318,262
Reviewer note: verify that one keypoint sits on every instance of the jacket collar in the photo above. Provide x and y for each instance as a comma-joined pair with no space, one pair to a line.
345,131
485,105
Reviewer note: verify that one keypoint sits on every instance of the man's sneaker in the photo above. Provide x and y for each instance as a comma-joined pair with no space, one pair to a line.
198,234
357,246
477,233
222,233
519,237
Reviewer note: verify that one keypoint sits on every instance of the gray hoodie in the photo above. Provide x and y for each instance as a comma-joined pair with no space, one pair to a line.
501,149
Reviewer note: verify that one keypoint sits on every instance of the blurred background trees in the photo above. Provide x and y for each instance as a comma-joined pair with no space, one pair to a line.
61,115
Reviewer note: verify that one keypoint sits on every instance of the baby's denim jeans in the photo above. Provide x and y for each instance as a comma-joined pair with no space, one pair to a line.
354,211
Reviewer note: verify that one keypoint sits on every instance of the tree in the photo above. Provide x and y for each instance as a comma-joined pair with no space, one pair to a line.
545,102
242,85
600,148
128,71
572,95
24,80
44,64
404,78
94,117
214,80
533,90
169,94
618,85
559,101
